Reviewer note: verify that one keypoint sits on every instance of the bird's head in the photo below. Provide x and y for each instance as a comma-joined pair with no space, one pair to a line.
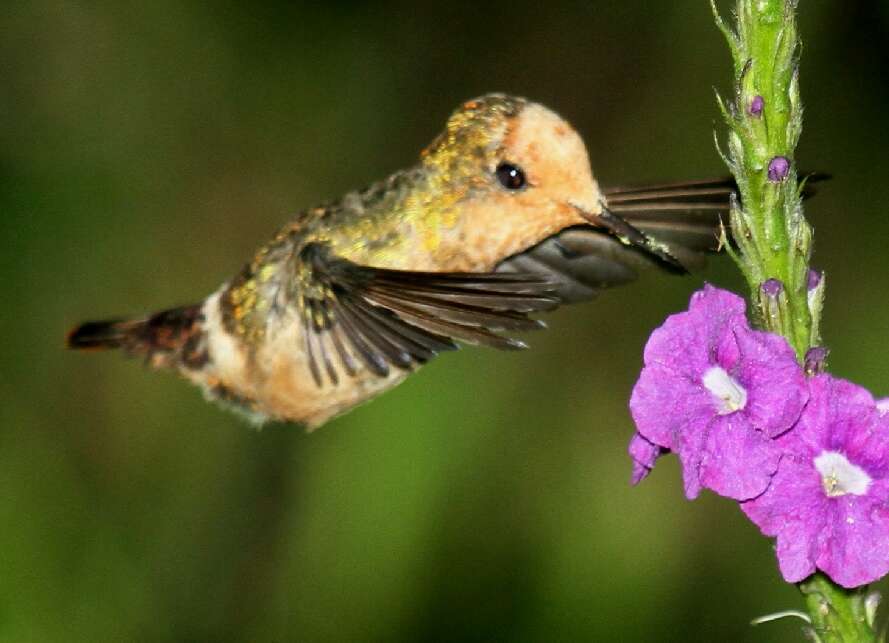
515,173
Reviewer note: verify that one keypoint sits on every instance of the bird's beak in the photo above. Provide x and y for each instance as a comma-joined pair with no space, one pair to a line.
630,235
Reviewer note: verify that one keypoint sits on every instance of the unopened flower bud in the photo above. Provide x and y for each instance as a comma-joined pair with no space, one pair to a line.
815,283
779,167
813,278
756,106
772,287
815,360
871,603
772,302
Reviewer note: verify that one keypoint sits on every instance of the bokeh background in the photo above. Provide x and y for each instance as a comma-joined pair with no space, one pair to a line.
146,149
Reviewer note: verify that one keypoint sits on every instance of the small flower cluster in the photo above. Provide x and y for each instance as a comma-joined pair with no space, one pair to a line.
807,457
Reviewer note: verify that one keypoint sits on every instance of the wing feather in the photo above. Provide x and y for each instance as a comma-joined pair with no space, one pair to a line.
399,319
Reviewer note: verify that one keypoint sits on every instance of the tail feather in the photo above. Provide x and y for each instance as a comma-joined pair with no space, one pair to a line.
164,338
111,333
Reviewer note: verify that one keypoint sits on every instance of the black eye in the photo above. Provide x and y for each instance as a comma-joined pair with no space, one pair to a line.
510,176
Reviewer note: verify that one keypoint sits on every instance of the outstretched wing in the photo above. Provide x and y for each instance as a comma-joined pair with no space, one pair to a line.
683,218
582,260
385,318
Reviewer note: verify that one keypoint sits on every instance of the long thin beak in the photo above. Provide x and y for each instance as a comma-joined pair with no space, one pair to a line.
630,235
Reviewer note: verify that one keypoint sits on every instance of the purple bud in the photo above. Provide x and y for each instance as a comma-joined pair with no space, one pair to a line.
813,278
756,106
815,358
778,169
772,287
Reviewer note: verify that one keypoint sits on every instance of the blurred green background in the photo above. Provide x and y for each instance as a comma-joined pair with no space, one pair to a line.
146,149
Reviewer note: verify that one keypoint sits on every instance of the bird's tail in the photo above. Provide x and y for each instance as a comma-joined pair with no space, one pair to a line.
164,339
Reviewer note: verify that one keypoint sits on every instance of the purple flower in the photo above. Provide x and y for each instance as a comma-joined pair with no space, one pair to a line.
756,106
778,169
828,504
716,393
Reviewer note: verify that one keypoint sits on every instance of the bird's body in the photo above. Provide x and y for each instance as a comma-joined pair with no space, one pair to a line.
350,297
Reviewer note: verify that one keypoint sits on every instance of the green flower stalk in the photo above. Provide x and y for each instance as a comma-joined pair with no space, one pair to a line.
772,236
772,241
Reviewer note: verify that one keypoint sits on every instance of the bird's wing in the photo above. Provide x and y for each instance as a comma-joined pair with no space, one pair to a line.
683,218
582,260
395,318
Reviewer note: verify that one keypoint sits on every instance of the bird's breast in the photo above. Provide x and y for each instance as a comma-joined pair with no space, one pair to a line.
269,378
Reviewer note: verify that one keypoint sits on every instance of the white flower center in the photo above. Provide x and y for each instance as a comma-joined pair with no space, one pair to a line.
729,394
883,406
839,476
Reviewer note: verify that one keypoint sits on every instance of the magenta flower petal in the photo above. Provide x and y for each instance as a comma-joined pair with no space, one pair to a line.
737,461
855,551
683,343
828,503
690,446
660,411
644,454
835,406
776,385
795,489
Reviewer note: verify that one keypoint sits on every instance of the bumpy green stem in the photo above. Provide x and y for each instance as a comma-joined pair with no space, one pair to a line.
772,239
838,615
765,119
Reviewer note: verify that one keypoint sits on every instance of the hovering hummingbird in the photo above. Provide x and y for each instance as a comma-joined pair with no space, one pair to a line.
500,218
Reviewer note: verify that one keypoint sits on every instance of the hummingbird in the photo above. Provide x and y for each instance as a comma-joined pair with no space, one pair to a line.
501,218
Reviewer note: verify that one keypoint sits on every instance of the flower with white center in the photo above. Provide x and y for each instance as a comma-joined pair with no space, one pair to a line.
717,393
828,504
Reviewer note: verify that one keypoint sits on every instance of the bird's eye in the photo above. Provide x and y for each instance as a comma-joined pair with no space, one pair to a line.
510,176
